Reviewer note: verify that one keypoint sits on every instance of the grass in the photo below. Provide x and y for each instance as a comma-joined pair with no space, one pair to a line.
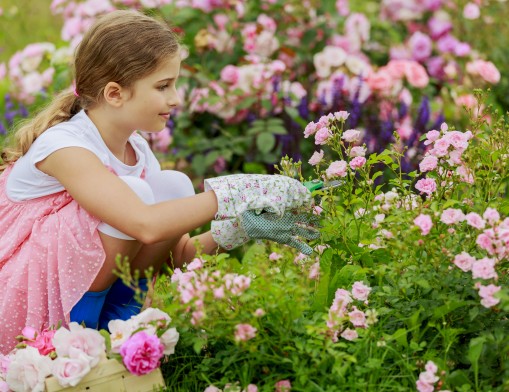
24,22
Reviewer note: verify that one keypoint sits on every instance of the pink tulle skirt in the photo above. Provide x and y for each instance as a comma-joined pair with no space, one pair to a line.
50,253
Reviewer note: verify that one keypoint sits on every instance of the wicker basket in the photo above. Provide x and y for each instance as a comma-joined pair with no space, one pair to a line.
111,376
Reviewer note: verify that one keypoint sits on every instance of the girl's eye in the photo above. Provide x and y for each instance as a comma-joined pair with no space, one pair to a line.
163,87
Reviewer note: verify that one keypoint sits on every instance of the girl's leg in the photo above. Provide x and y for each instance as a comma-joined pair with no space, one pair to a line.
120,303
89,307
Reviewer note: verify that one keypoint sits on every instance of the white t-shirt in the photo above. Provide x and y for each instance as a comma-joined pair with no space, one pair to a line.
27,182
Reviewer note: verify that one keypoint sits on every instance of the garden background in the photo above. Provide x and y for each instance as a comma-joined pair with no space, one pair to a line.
405,101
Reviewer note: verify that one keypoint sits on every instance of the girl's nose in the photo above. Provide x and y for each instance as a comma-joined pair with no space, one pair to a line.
174,98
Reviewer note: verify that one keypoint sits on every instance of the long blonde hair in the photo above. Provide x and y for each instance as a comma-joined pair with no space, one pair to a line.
122,47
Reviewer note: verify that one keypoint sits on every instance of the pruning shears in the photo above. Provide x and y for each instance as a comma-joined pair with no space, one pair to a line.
316,184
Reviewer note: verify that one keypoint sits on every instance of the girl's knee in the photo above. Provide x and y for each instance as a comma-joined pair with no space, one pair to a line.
169,185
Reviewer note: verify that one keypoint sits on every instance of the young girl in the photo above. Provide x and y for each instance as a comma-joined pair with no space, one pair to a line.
79,187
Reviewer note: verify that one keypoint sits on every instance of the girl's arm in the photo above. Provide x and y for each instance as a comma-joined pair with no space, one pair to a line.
107,197
185,250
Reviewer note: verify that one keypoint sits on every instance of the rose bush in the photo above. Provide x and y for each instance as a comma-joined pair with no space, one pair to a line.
407,288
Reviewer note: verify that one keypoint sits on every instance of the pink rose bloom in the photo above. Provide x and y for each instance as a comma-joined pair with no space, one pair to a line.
424,223
196,264
349,334
244,332
322,135
380,81
230,74
428,163
431,367
259,312
336,169
475,220
283,386
310,129
316,158
43,341
351,136
317,210
428,377
491,215
420,46
274,256
357,318
451,216
252,388
486,69
70,371
341,115
4,387
464,261
358,151
357,162
314,271
360,291
486,293
484,241
484,269
426,185
27,370
471,11
423,386
141,353
76,339
431,136
457,139
416,74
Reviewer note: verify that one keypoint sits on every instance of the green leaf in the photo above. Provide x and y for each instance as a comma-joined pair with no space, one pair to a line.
265,142
448,307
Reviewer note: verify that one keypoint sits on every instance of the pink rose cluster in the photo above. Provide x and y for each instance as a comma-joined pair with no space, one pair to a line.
68,354
195,285
494,239
343,314
445,153
428,378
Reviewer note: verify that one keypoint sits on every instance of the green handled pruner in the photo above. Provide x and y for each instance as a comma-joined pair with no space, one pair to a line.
316,184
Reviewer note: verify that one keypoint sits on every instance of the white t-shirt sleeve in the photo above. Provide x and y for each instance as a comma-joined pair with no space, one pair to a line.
26,181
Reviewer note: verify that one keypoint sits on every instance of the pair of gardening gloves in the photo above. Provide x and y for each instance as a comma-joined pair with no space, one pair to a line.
257,206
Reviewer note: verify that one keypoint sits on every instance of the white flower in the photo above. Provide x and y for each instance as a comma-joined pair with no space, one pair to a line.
75,340
120,331
169,340
149,315
70,371
27,370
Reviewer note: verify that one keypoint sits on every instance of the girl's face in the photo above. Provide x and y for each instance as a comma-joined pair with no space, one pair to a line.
153,98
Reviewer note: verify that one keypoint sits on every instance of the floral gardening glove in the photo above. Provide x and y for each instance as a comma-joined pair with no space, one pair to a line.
237,193
284,230
246,192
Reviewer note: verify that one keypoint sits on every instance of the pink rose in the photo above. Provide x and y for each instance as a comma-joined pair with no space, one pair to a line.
424,223
475,220
349,334
141,353
429,163
491,215
357,162
471,11
450,216
358,151
464,261
351,136
310,129
360,291
27,370
357,318
431,136
426,185
314,271
416,74
70,371
341,115
316,158
336,169
486,293
70,342
322,135
244,332
484,241
274,256
423,386
283,386
484,269
420,46
486,69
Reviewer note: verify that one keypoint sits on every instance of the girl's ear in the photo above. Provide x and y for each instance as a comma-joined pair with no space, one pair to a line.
114,94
